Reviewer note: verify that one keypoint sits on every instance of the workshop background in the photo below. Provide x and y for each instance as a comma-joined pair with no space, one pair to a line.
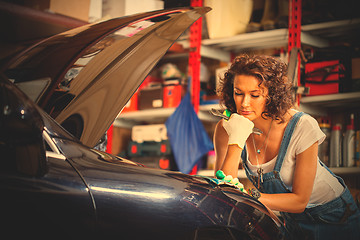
181,90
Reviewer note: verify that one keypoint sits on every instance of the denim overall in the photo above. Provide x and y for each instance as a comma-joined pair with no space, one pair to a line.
337,219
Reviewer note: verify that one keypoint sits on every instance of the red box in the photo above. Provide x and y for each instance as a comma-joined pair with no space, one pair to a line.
172,95
323,77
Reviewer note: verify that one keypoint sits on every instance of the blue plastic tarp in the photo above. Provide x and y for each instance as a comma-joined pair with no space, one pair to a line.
188,138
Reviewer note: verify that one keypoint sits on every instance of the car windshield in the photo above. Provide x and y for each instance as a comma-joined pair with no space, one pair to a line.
53,128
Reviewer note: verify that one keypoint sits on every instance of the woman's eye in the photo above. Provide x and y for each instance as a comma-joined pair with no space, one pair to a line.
241,94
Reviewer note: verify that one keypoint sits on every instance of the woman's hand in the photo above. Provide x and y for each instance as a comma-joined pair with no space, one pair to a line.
229,140
238,128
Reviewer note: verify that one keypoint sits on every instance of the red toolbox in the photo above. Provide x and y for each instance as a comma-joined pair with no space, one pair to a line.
323,77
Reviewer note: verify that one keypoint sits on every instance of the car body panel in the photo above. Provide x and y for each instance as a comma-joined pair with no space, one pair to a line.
171,200
85,76
39,205
38,191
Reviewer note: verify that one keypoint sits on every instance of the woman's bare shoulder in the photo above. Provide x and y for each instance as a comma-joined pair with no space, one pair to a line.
289,114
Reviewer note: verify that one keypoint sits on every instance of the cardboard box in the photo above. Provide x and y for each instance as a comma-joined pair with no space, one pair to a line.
150,98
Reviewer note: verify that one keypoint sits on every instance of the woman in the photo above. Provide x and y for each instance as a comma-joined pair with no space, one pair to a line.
282,162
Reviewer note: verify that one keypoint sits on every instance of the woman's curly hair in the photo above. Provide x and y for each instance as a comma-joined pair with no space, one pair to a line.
271,73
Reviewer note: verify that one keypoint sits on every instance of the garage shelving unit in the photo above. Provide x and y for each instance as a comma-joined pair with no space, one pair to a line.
316,35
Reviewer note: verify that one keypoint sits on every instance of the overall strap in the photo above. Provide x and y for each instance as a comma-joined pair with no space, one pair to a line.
286,140
244,159
248,172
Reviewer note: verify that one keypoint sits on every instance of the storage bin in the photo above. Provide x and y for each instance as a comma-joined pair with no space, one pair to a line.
152,133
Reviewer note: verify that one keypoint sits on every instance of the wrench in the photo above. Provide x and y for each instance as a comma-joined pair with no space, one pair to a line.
218,113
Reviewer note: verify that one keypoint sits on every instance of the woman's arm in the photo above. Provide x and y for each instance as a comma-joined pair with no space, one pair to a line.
227,156
304,176
220,145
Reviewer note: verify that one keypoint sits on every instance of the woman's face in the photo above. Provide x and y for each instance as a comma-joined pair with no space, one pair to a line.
250,99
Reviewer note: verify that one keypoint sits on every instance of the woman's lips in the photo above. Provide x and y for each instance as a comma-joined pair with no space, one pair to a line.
246,112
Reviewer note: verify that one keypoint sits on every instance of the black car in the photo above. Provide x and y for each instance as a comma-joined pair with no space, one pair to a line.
53,184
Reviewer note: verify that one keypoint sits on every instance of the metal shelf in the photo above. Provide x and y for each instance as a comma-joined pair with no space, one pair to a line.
318,105
331,100
262,39
155,115
129,119
317,35
336,31
209,51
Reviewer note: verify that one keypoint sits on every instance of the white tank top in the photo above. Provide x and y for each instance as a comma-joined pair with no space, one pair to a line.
307,132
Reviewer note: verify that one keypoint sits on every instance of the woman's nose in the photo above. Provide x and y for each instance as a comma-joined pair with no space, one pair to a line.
246,101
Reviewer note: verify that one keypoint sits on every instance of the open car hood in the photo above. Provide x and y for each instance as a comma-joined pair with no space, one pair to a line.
84,77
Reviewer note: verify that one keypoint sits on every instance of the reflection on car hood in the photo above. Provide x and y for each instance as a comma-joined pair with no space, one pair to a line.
85,76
